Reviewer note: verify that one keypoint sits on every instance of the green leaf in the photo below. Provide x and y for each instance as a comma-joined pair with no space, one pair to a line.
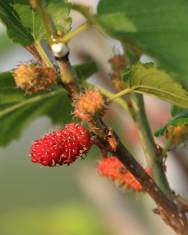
12,95
175,110
15,117
179,120
5,45
60,13
150,80
85,70
58,10
6,80
159,27
15,29
32,21
24,25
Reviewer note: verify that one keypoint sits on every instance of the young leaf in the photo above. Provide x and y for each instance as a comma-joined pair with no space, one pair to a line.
175,110
150,80
24,25
180,120
15,28
32,20
158,26
60,13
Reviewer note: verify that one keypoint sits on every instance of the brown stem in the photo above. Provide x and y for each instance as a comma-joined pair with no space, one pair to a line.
153,156
68,76
173,214
183,201
169,209
31,48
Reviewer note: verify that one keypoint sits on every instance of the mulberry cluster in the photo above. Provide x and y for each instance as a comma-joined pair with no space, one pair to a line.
33,78
63,146
88,104
112,168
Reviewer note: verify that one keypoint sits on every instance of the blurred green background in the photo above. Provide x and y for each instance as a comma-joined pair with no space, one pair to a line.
72,200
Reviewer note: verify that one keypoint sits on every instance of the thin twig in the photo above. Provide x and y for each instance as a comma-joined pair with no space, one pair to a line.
32,49
170,211
83,27
154,159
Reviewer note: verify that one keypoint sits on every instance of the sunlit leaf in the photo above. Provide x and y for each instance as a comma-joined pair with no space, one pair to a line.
159,27
150,80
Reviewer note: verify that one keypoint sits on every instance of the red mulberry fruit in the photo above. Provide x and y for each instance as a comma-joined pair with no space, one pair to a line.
63,146
112,168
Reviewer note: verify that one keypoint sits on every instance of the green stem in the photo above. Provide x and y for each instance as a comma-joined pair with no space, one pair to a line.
110,95
43,54
137,110
123,92
75,32
153,159
67,74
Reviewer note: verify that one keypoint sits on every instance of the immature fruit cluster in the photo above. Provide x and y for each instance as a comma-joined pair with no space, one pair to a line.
63,146
34,78
112,168
177,134
88,104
